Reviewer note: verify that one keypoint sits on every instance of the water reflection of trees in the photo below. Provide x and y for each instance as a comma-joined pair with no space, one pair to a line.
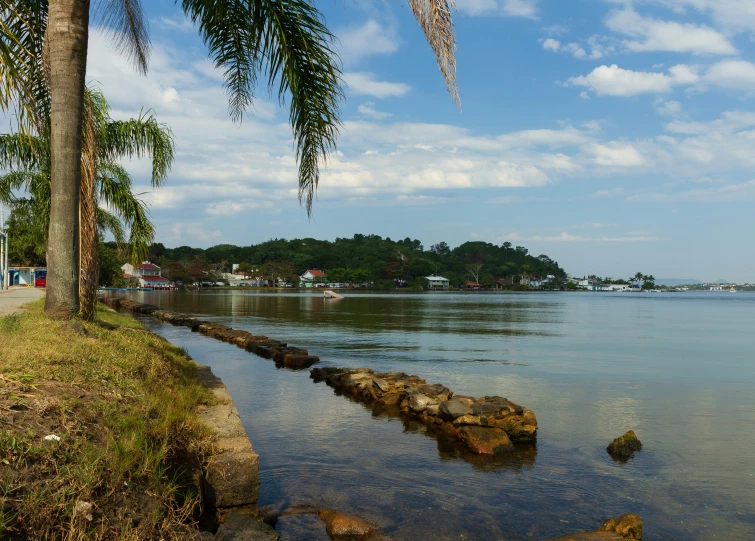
463,315
450,449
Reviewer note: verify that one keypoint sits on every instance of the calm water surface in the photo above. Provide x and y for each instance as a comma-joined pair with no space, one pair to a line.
676,368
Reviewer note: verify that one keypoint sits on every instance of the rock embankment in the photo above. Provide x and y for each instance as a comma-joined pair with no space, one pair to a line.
268,348
490,425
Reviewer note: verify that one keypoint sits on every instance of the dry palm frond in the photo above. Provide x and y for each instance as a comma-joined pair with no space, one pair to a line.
434,16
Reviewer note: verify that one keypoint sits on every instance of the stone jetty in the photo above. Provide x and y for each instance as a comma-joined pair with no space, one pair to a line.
490,425
284,355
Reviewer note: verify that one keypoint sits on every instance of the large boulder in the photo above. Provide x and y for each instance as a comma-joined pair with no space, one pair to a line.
452,409
486,441
345,524
624,447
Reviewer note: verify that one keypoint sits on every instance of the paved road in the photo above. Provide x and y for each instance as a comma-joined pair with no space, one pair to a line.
13,298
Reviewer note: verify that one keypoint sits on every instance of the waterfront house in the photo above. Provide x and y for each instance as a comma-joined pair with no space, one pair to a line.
146,275
437,283
312,276
474,285
503,283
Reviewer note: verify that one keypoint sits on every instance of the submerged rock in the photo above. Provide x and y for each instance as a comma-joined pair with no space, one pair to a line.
625,446
345,524
626,527
486,441
629,526
243,528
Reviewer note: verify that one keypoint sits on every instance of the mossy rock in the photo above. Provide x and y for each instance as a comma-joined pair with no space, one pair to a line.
624,447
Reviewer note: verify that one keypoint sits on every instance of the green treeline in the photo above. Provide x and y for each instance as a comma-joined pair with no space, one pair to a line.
368,258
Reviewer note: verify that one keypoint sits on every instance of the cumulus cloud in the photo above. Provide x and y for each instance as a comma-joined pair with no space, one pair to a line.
370,38
368,109
615,81
654,35
615,154
732,74
366,84
593,48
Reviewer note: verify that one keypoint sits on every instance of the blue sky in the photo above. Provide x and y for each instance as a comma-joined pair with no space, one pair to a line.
612,135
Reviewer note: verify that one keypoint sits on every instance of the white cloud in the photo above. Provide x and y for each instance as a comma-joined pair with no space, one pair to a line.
365,84
654,35
369,39
615,81
568,237
668,108
732,15
615,154
368,109
507,8
733,74
744,191
520,8
597,47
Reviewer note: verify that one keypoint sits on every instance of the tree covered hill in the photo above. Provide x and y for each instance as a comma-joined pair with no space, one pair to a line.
381,260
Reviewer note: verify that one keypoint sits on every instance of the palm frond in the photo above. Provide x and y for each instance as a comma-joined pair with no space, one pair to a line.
128,28
140,137
289,40
434,16
115,192
23,151
23,81
109,222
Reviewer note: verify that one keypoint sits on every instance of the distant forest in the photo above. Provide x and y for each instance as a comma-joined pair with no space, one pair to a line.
370,257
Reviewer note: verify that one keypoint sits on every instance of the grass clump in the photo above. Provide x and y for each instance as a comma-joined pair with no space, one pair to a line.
127,447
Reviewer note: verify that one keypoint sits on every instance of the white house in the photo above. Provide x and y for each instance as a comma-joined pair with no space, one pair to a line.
147,274
437,282
309,278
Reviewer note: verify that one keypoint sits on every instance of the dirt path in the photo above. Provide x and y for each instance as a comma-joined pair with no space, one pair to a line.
13,298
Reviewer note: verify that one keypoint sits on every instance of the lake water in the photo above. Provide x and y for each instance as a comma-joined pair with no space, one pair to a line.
678,369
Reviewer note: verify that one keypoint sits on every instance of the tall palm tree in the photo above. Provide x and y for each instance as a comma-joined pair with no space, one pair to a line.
284,41
104,182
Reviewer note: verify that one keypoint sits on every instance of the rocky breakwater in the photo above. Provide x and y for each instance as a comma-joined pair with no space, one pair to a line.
284,355
490,425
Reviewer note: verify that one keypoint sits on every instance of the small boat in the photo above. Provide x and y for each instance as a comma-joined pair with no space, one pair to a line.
732,290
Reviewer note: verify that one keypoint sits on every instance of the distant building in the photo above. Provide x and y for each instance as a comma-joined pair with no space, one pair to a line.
25,276
474,285
437,282
503,283
309,278
146,275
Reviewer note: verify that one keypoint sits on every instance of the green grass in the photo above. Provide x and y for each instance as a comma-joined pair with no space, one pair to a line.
122,401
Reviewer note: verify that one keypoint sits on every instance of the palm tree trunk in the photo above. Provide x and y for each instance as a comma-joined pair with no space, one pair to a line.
88,245
67,41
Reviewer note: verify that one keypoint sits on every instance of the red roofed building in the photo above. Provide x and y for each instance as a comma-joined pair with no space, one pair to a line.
147,274
312,276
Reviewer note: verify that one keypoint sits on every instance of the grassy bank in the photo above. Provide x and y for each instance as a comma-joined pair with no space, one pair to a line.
122,403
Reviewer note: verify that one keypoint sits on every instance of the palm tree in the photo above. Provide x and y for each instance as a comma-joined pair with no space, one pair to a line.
104,182
284,41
